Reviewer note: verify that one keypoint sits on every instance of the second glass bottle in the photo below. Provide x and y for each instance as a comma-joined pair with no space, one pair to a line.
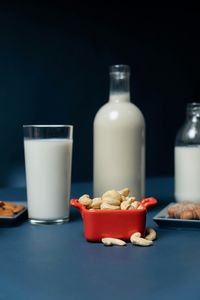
187,157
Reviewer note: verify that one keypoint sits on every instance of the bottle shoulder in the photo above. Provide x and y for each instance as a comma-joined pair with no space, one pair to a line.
118,111
188,134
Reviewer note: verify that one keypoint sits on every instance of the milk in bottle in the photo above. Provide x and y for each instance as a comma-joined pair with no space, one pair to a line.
119,140
187,157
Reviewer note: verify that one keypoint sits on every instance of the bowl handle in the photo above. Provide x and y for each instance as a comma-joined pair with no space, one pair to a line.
75,203
148,202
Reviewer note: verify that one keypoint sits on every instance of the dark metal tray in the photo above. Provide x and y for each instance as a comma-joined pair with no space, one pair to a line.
163,220
21,216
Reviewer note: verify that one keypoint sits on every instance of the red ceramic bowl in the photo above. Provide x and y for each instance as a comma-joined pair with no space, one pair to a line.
120,224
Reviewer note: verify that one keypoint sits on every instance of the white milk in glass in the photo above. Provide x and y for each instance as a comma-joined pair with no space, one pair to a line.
48,176
187,173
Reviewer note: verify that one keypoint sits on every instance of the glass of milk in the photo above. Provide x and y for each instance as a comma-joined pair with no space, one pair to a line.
48,160
187,156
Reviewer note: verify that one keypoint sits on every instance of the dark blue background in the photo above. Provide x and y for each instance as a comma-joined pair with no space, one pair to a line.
54,61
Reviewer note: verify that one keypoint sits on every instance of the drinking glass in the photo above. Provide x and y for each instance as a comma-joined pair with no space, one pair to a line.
48,161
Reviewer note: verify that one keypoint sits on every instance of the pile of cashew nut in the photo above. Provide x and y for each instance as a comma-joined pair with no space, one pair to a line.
111,200
136,239
115,200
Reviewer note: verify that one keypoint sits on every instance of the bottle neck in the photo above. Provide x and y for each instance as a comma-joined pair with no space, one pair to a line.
193,112
189,133
119,84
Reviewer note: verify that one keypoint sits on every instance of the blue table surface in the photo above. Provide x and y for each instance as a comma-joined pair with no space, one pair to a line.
56,262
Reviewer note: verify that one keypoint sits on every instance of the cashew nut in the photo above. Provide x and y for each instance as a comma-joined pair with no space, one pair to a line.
136,239
113,241
140,207
105,205
123,198
134,205
150,234
96,203
124,192
132,199
112,197
125,205
85,200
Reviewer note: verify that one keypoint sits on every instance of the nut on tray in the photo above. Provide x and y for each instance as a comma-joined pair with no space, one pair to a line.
9,209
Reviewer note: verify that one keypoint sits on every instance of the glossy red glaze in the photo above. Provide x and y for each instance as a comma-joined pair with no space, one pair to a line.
120,224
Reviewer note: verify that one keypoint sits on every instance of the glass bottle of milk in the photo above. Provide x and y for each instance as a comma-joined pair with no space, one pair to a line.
187,157
119,140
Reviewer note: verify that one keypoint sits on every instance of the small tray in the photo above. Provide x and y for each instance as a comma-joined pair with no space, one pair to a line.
13,220
163,220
